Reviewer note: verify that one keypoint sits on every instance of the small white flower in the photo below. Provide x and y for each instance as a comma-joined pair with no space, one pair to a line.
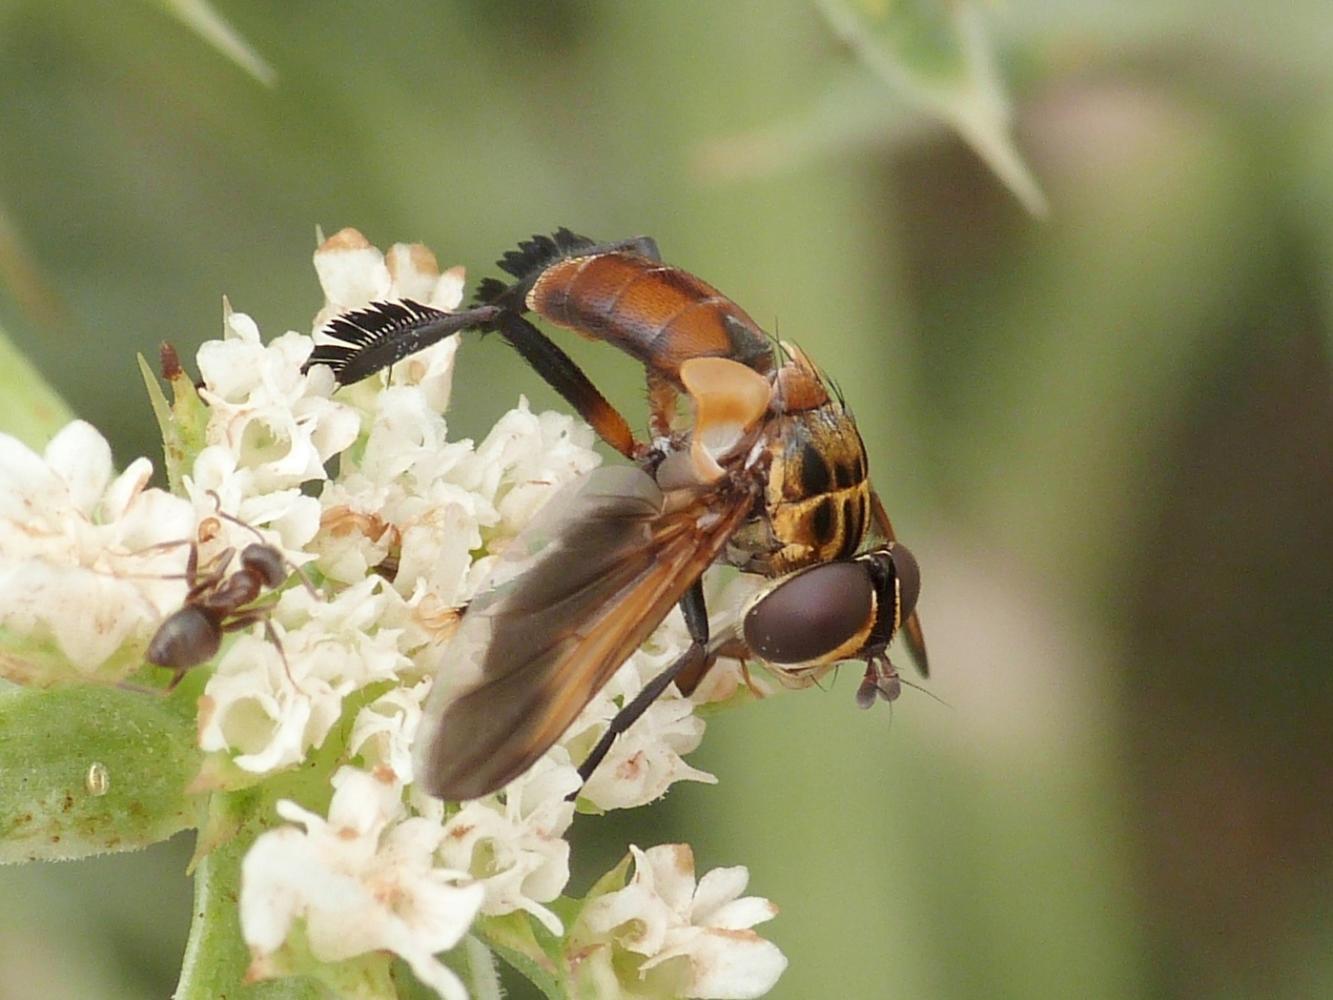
647,759
384,730
525,459
354,535
226,493
515,847
88,562
662,914
364,880
351,272
407,479
276,421
271,706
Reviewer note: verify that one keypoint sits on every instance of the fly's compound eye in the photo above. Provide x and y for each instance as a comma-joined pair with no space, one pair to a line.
822,613
908,575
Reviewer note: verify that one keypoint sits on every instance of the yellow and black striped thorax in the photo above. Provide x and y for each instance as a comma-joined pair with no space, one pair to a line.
817,497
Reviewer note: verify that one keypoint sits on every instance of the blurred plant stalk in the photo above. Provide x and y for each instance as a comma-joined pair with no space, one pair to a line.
30,409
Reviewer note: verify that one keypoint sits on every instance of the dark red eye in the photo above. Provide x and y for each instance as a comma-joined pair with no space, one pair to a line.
909,579
811,614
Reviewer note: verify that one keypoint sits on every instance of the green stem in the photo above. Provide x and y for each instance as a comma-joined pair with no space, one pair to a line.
216,956
483,978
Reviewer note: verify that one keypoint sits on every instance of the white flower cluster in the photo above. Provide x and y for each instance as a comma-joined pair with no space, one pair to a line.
663,914
83,569
399,539
362,880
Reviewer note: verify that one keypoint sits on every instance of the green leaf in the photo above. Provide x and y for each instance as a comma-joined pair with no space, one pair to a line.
30,409
182,422
935,52
91,770
203,19
612,881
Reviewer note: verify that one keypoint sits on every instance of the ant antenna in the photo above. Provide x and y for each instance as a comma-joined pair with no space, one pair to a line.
217,509
300,573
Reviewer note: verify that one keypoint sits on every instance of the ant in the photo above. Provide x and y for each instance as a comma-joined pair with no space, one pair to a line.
218,602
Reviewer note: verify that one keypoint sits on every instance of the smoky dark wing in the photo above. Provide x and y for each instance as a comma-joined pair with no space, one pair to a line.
360,343
577,593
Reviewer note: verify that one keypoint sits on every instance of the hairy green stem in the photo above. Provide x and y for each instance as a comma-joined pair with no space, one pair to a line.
216,956
483,978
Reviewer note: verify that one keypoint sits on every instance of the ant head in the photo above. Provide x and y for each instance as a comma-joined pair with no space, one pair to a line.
266,562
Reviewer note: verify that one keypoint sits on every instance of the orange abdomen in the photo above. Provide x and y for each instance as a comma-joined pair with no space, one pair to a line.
659,314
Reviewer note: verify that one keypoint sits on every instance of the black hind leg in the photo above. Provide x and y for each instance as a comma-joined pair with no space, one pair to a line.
546,358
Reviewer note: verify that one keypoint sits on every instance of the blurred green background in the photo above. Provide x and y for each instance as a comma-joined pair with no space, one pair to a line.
1106,434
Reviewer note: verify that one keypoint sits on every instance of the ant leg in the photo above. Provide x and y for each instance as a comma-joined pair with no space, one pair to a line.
216,572
160,547
272,636
305,580
244,619
217,501
192,565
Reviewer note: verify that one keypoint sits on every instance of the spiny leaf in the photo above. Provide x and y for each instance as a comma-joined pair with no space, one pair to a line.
202,18
182,423
936,53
